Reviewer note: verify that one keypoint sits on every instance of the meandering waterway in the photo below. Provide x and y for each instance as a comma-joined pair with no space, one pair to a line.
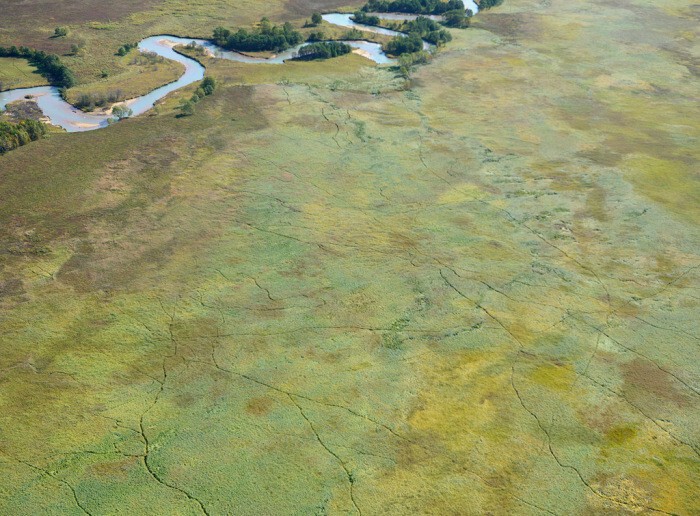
61,113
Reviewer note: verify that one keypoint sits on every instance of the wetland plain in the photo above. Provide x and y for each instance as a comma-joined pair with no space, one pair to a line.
336,289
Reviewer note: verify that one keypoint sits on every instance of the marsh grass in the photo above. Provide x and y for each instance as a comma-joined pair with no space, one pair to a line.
18,73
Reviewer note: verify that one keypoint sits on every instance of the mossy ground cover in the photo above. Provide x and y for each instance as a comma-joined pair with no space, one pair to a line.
322,294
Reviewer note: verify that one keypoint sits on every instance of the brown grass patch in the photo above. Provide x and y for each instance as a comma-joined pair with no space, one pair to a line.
301,8
641,375
46,12
259,406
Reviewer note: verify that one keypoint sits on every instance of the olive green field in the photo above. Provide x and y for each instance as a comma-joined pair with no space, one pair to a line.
333,290
18,73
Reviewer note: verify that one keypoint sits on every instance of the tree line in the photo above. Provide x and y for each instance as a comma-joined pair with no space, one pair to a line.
413,6
48,65
206,88
365,19
404,45
265,37
419,30
13,135
427,29
323,50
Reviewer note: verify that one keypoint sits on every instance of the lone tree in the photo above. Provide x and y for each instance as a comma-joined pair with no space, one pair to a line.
208,85
187,108
60,32
120,112
316,19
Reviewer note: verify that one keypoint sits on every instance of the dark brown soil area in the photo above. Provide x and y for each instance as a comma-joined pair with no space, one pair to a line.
23,110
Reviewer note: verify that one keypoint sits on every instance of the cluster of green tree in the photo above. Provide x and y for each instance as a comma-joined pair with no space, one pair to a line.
316,36
316,20
487,4
404,45
48,65
458,18
407,62
353,34
206,88
323,50
365,19
60,32
21,133
126,48
266,37
413,6
427,29
89,101
119,113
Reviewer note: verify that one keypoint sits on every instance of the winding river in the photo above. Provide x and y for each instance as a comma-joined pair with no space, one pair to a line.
63,114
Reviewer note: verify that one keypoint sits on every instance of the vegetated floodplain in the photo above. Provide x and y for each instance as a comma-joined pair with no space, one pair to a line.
143,72
324,293
48,65
19,73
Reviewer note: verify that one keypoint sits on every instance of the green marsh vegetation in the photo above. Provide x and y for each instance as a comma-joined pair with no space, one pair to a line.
19,73
320,293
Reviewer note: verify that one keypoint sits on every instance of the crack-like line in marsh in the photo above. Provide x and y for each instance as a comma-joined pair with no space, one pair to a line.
570,467
49,474
428,449
348,473
146,457
537,418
